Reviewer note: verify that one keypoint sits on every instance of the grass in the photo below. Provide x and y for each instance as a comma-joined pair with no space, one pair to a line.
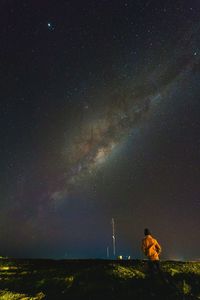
97,279
7,295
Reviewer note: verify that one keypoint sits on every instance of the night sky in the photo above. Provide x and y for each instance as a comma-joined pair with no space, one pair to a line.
99,119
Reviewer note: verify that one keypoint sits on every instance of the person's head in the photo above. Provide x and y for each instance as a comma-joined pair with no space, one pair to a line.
146,231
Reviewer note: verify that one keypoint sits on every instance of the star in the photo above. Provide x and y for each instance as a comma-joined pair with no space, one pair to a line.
50,26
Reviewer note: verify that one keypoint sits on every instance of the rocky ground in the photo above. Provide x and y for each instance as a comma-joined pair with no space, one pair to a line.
97,279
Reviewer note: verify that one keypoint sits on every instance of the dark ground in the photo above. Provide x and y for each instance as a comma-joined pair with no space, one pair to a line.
97,279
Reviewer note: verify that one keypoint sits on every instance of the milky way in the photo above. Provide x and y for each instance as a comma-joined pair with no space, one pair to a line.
126,109
99,119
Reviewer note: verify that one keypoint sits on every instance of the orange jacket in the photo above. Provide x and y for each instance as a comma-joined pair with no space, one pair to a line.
151,248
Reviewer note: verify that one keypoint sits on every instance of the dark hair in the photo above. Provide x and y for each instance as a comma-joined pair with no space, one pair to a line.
146,231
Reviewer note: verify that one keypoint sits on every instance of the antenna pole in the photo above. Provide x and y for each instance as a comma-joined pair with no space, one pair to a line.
107,250
113,236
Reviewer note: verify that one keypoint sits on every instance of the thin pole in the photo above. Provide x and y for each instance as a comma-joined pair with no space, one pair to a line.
108,253
113,236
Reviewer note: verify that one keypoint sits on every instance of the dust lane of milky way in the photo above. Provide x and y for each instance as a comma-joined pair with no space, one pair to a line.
105,131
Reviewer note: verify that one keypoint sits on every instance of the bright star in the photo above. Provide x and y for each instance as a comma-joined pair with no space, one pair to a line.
50,26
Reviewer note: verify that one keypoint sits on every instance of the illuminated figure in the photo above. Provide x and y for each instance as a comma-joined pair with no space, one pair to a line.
152,250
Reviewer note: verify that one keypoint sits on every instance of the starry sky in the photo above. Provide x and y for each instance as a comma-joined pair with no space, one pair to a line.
99,119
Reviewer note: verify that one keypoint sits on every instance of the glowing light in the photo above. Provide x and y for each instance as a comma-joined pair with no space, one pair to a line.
50,26
101,155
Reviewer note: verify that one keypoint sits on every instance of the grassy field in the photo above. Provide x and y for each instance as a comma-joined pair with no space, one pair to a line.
96,279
